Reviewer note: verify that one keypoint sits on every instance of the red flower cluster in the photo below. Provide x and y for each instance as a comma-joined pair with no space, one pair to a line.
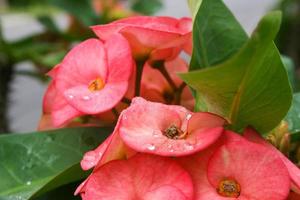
162,151
157,151
97,74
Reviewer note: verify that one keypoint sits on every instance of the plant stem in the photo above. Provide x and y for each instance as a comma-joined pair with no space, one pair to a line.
178,93
160,66
126,100
165,73
6,76
115,112
139,71
6,73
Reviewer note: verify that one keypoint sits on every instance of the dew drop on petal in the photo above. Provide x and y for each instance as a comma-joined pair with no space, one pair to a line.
70,96
151,147
188,116
188,146
170,147
156,133
86,98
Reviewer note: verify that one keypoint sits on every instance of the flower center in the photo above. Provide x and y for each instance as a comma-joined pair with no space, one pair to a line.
173,132
96,85
229,188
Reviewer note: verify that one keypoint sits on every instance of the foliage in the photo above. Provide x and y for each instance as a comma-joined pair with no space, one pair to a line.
34,163
241,89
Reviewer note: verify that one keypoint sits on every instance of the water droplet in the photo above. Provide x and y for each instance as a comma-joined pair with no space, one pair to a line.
188,116
86,98
170,147
70,96
151,147
29,150
52,158
28,183
49,138
188,146
156,133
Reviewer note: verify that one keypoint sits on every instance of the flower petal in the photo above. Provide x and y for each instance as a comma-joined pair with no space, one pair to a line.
119,58
81,98
56,105
91,158
146,33
165,193
293,170
260,172
196,165
143,124
83,64
136,177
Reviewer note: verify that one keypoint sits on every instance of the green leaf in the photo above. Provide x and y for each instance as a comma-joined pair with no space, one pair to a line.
217,35
62,193
146,7
252,87
34,163
293,116
194,6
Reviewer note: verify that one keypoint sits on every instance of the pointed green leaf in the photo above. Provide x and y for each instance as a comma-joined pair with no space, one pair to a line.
252,87
217,35
34,163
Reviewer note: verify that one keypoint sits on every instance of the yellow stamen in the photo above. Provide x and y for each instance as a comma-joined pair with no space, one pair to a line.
96,85
229,188
173,132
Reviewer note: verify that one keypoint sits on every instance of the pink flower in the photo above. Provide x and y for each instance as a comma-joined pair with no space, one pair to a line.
113,148
234,168
167,130
54,102
294,171
91,79
159,38
145,177
204,129
155,87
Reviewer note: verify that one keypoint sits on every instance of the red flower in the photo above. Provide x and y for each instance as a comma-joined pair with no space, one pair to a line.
155,87
294,171
159,38
167,130
234,168
91,79
142,176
